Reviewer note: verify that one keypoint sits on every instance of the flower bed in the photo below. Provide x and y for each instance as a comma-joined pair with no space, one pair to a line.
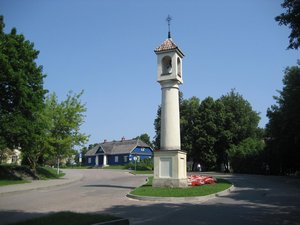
196,180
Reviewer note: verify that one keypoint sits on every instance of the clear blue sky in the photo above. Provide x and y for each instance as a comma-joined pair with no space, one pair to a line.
105,47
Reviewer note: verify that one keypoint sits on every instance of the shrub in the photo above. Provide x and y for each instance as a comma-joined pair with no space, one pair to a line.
248,156
146,164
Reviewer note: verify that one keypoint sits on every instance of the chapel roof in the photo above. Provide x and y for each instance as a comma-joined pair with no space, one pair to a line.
168,45
118,147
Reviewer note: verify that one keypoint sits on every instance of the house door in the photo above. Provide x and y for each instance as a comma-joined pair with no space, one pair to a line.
100,160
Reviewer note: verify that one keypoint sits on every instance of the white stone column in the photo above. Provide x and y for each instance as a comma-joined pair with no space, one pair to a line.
170,119
104,160
97,161
170,160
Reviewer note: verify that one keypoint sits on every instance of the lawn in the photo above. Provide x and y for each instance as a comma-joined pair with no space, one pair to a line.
141,172
68,218
9,182
45,173
14,174
192,191
124,167
115,167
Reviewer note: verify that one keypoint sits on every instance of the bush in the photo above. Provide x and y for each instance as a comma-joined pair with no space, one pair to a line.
146,164
248,156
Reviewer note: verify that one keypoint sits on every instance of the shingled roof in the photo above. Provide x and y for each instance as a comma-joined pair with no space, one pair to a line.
117,147
168,45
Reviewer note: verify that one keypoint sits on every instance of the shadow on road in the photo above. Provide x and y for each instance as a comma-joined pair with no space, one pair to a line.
207,214
12,216
256,200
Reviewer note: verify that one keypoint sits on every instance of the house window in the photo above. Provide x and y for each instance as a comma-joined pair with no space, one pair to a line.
142,149
116,158
126,158
89,160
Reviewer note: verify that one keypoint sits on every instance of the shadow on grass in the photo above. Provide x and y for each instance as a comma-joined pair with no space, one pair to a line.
16,172
47,173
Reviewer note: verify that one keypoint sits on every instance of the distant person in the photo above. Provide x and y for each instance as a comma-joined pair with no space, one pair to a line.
199,167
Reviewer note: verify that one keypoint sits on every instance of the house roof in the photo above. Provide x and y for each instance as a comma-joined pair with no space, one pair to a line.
168,45
117,147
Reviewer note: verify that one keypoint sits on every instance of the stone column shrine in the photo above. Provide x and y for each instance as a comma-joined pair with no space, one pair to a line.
170,160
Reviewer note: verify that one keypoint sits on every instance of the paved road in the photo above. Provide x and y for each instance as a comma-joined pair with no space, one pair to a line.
255,200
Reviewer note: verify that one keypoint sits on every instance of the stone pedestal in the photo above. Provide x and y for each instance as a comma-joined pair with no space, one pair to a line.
170,168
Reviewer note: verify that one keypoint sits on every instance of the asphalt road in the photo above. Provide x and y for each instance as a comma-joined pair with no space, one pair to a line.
255,200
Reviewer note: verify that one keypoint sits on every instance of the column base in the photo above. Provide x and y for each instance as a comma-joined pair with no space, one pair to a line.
170,169
169,182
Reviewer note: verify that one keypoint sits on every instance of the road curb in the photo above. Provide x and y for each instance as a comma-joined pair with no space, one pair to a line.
182,199
114,222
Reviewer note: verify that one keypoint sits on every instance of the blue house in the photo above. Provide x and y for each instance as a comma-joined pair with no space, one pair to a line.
118,152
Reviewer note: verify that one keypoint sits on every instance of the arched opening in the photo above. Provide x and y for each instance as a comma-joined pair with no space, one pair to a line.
166,65
178,67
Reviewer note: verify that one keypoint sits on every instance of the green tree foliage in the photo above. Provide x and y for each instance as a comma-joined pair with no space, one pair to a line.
145,138
210,128
66,117
21,94
207,137
291,18
156,141
236,122
283,129
189,125
40,146
248,156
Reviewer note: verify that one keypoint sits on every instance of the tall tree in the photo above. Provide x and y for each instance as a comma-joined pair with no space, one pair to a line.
210,128
207,136
291,18
248,156
156,141
283,129
237,121
67,117
21,93
189,126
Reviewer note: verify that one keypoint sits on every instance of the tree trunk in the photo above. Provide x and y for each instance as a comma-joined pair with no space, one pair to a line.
58,165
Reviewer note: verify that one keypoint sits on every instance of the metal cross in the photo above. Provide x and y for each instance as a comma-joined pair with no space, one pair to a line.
169,18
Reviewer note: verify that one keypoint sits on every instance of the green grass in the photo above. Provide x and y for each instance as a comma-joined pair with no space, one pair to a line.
124,167
68,218
45,173
116,167
192,191
14,174
10,182
142,172
76,167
